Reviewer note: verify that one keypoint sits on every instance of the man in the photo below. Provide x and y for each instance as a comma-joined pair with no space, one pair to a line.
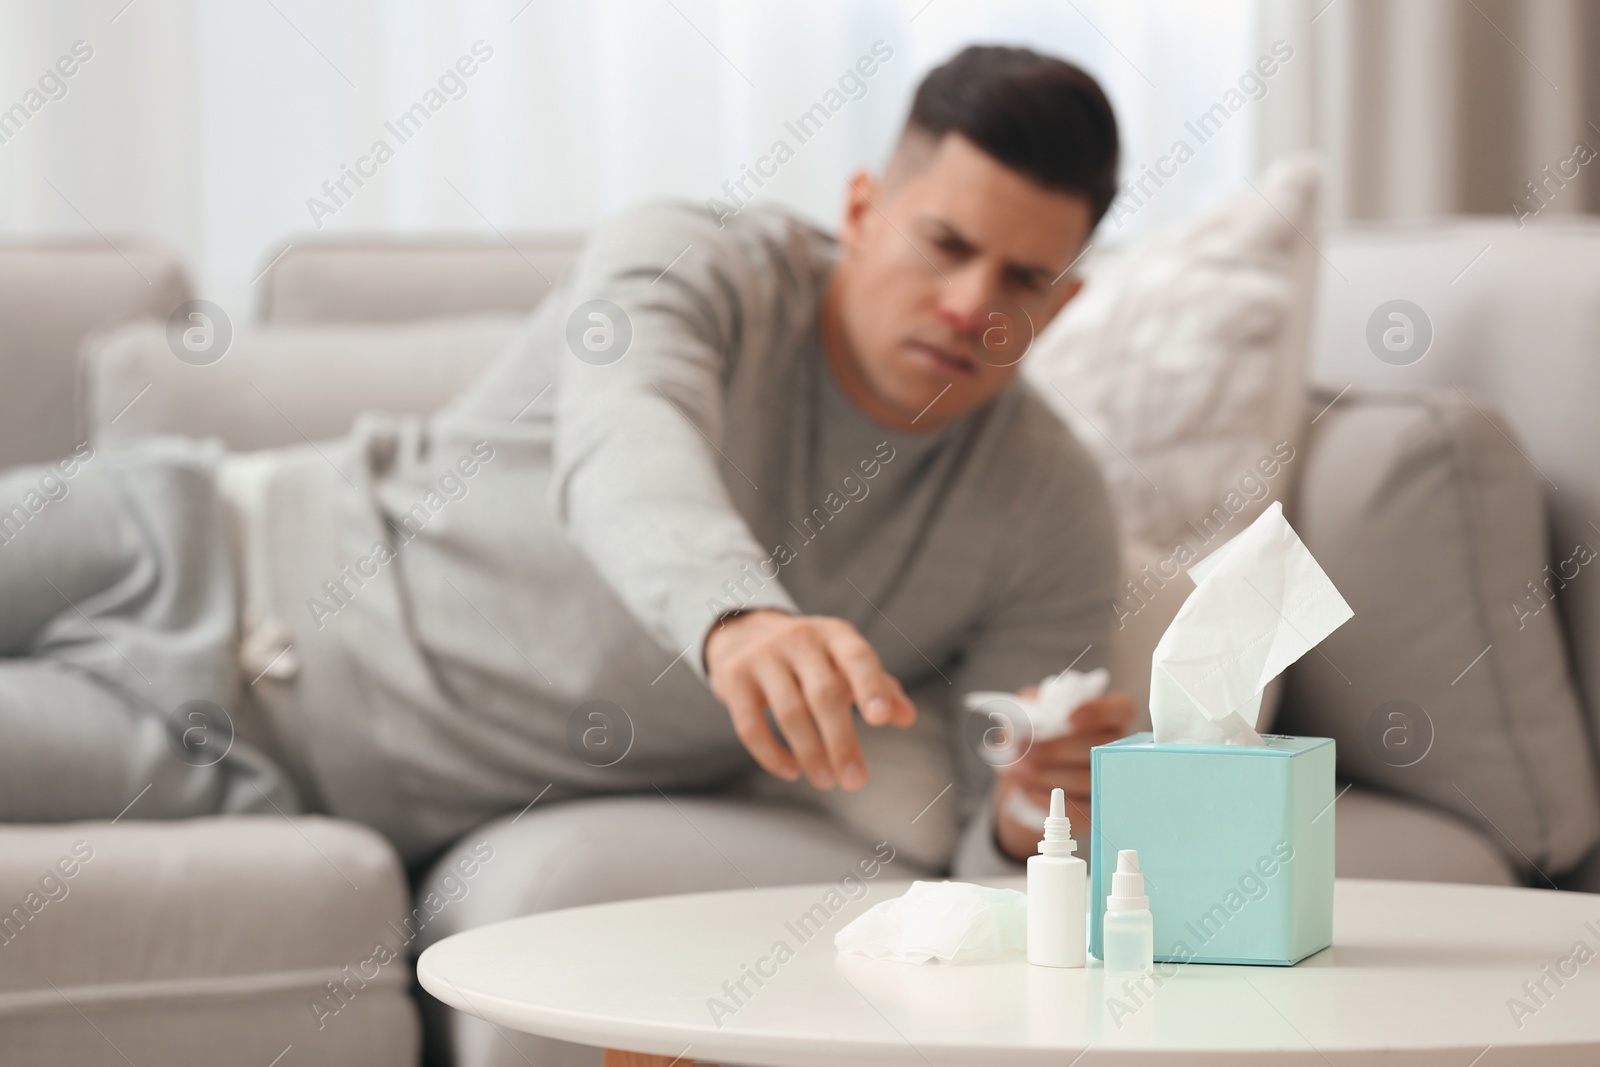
735,481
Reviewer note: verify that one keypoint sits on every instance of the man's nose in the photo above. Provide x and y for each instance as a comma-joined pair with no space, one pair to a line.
965,294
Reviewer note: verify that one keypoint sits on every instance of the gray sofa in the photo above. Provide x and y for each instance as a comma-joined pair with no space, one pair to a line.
247,939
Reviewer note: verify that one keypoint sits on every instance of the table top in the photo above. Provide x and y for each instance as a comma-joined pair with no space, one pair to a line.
1424,972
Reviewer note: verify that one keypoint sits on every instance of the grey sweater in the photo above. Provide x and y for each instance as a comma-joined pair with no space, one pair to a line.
462,588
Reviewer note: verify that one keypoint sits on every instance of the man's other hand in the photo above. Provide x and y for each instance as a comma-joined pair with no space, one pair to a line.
810,670
1061,763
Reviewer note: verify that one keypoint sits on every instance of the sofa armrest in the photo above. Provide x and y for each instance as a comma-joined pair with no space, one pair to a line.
52,295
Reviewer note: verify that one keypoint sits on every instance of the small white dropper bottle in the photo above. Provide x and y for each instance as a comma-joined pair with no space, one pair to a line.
1128,935
1058,893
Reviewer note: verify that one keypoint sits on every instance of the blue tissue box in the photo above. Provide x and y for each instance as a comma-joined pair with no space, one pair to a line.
1236,845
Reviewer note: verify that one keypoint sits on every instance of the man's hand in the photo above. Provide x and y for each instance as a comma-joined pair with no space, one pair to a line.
1062,763
809,669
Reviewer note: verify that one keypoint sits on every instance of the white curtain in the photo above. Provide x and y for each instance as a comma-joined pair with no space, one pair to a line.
1435,107
212,125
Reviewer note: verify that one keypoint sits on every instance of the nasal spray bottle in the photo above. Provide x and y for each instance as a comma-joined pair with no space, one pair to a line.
1058,893
1128,937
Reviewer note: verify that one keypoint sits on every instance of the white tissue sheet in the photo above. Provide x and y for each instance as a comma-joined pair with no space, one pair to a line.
1047,713
955,922
1260,602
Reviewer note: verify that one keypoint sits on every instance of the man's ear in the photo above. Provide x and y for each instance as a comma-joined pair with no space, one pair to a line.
1065,290
863,191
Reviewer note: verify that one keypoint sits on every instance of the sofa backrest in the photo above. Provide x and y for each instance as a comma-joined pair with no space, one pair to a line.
281,385
347,325
52,295
387,279
1514,318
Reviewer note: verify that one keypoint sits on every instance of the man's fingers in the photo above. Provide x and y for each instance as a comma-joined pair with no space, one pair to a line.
829,695
1074,780
1071,750
877,693
1114,711
905,712
789,707
1019,836
809,671
747,706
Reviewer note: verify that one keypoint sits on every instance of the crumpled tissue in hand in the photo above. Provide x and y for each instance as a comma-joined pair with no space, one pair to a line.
1047,713
956,922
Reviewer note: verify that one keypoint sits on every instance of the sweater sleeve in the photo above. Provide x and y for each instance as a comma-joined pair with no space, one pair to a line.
1054,608
659,305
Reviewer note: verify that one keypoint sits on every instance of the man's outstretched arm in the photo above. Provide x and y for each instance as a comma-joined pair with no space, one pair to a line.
639,432
640,469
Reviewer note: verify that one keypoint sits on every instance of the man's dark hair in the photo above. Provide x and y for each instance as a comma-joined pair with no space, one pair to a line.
1040,116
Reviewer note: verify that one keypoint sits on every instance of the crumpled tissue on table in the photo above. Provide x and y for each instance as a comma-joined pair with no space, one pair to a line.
1260,602
955,922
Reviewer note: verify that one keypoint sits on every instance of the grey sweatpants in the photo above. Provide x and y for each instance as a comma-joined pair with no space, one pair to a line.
118,615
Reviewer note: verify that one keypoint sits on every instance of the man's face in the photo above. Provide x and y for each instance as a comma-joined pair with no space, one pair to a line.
941,277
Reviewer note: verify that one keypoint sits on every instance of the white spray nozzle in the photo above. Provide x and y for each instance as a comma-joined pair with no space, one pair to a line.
1127,884
1058,828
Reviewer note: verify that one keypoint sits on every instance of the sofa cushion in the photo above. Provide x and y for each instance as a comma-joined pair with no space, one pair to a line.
170,942
1429,520
1379,836
383,280
1182,368
51,297
283,385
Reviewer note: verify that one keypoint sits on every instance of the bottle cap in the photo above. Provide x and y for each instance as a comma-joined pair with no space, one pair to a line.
1127,884
1058,828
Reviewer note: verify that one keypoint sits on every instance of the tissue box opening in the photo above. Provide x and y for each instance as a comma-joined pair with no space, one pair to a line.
1236,844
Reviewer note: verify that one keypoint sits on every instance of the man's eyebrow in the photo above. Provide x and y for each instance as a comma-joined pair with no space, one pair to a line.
1031,272
949,232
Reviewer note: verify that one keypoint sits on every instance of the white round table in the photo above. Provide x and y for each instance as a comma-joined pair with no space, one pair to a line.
1419,973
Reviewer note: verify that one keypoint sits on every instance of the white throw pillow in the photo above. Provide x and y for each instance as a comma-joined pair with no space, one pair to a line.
1182,368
